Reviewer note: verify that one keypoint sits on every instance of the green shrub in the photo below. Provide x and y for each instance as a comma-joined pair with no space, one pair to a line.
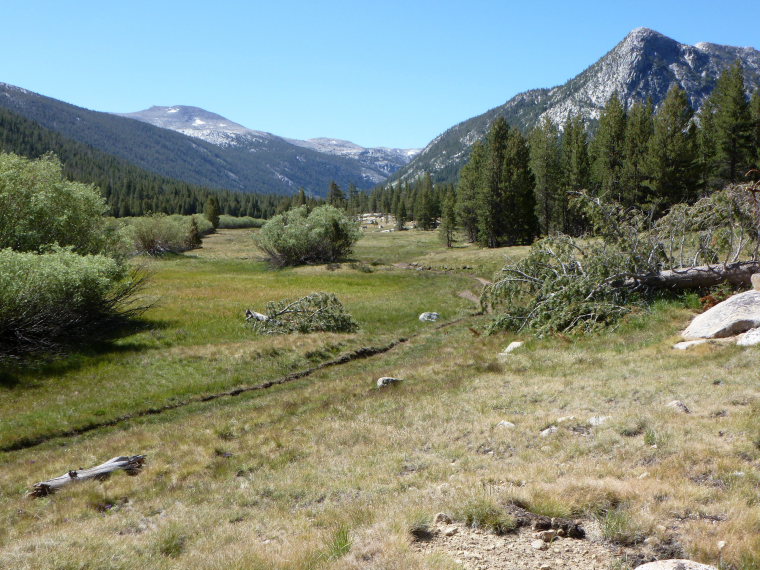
485,513
157,234
232,222
298,236
39,207
44,297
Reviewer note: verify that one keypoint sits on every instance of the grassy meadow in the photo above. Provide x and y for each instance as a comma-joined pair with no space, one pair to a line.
328,471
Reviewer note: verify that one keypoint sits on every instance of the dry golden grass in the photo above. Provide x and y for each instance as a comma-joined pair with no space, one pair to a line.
330,472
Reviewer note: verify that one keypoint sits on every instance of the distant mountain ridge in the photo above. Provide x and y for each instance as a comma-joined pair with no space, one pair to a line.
239,159
376,164
644,64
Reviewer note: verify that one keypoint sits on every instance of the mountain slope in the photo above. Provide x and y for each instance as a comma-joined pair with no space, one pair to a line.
264,164
374,164
645,64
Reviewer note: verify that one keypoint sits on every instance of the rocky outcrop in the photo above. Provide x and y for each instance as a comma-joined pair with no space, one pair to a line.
735,315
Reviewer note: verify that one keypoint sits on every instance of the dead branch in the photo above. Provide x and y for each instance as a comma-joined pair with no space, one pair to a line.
132,465
738,273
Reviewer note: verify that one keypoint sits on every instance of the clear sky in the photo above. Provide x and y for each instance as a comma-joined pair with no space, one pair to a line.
379,73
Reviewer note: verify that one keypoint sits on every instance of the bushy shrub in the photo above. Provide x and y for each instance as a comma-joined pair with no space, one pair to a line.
39,207
46,296
298,236
233,222
157,234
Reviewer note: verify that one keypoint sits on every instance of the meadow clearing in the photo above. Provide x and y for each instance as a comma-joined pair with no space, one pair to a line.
327,471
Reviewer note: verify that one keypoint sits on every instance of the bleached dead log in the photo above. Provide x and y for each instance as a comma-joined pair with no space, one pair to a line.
738,273
131,465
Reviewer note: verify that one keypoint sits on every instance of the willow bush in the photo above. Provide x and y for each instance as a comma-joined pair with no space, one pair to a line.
299,236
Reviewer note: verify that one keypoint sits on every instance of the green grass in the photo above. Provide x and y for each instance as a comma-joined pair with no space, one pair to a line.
330,472
195,341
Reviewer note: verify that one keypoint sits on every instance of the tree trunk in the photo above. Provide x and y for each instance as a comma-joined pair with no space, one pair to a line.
132,465
738,273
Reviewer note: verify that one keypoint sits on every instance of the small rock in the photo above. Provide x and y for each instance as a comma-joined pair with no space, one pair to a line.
450,531
545,567
690,343
547,535
755,280
512,346
388,381
598,420
564,419
680,564
254,316
429,317
722,543
539,545
680,406
549,431
442,518
644,475
751,337
504,424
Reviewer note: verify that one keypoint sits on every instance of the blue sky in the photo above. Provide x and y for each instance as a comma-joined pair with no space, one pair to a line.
382,73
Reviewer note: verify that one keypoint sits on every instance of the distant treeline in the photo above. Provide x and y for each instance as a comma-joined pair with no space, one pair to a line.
128,189
517,187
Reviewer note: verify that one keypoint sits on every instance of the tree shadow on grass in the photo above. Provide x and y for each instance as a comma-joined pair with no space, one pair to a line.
23,368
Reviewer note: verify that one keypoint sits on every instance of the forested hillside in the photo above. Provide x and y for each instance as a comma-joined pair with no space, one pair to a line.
129,190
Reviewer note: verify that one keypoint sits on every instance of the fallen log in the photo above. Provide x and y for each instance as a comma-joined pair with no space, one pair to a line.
131,465
738,273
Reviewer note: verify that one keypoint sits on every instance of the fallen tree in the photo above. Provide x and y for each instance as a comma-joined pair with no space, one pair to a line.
568,284
132,465
316,312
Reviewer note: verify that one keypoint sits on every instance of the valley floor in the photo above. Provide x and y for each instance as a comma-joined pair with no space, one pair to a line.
327,471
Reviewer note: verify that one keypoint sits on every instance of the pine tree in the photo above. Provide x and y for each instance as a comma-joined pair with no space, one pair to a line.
423,205
545,163
467,192
575,169
608,149
448,219
335,195
671,156
638,131
755,115
490,202
707,152
211,211
733,125
518,205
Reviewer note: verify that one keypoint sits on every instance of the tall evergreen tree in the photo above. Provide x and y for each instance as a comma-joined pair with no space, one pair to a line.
517,190
448,219
733,124
575,169
467,192
424,211
335,195
754,107
211,211
490,196
671,156
546,165
608,149
638,131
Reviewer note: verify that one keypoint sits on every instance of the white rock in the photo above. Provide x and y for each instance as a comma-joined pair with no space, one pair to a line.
679,405
429,317
513,346
690,343
680,564
751,337
539,545
549,431
755,280
735,315
504,424
564,419
598,420
388,381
